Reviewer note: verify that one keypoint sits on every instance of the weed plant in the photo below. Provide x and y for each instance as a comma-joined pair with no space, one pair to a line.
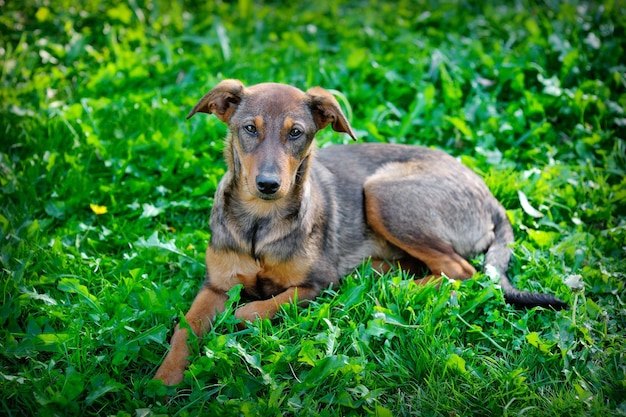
105,192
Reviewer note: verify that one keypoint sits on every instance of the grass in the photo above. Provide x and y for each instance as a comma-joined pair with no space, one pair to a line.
105,191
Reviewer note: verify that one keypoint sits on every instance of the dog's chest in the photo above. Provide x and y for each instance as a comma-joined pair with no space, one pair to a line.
261,278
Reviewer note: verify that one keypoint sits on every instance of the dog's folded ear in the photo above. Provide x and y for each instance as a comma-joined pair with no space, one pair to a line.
221,100
326,110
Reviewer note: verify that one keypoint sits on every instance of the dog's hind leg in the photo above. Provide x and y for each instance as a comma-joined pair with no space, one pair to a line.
443,260
438,219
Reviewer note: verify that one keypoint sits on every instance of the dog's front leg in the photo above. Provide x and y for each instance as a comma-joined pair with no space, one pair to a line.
205,306
268,308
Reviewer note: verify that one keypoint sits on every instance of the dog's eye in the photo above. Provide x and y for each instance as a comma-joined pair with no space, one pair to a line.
295,133
251,129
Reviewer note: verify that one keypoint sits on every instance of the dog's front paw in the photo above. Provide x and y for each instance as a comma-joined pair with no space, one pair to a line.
264,309
248,312
170,375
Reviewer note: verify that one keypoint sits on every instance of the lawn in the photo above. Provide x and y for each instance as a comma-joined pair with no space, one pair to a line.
105,191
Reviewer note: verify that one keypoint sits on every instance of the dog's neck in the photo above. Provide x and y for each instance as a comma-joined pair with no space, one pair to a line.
255,224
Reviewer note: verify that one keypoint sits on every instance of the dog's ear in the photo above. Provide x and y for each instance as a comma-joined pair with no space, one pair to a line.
221,100
326,110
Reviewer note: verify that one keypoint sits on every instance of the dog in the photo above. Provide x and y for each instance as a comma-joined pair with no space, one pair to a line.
289,220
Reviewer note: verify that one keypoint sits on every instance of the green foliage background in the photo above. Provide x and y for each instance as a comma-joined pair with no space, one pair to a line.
92,103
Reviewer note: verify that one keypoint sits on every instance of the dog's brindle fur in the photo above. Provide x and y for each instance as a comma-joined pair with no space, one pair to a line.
288,220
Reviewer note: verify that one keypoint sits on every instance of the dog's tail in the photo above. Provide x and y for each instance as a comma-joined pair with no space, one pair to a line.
498,256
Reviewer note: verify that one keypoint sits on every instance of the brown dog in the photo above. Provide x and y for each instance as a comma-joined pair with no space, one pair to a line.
288,221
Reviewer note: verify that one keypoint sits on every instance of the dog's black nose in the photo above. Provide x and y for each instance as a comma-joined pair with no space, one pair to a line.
267,184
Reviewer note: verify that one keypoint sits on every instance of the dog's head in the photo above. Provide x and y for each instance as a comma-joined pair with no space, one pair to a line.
271,128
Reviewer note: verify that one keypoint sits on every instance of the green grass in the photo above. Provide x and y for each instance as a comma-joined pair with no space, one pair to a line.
92,110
